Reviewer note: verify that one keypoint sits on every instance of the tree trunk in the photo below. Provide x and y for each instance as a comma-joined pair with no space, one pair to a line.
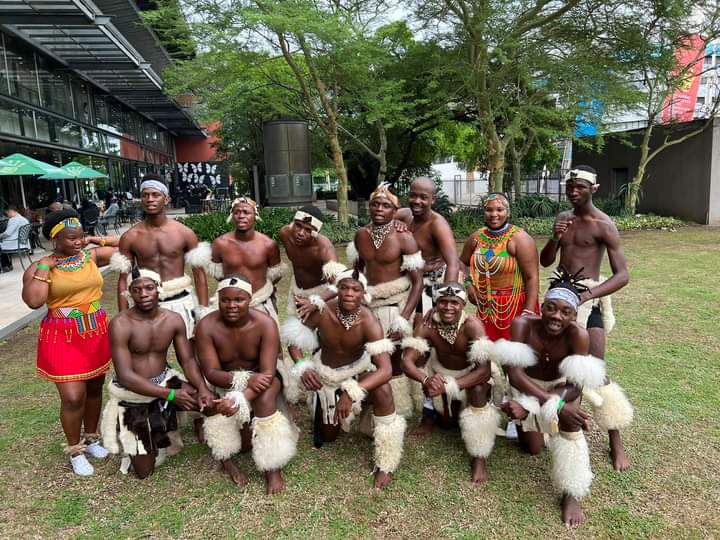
633,188
516,175
497,171
342,189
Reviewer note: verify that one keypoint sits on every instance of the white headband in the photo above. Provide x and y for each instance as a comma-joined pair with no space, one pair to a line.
149,274
309,219
561,293
582,175
244,200
235,283
349,274
449,290
155,184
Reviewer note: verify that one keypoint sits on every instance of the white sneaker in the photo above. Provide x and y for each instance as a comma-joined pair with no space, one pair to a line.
81,466
511,432
96,450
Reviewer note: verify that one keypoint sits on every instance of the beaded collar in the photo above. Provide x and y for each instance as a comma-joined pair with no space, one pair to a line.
449,332
379,233
347,320
74,262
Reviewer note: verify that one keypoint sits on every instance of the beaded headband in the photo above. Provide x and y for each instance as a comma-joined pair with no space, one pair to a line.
244,200
155,184
451,290
561,293
235,283
309,219
69,223
383,190
498,197
579,174
351,273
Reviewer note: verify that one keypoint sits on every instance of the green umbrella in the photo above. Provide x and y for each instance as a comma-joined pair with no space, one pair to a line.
78,170
22,165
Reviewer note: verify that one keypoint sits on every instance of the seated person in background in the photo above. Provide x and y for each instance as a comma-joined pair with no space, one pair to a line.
88,216
9,238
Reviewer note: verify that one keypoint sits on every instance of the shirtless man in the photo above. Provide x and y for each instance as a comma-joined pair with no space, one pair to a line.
393,265
582,235
457,376
549,366
352,364
146,393
315,265
164,246
237,347
437,245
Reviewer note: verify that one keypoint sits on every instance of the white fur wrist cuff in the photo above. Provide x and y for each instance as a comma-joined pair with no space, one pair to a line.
480,351
331,269
294,333
356,392
452,390
380,346
585,371
120,263
412,262
317,301
199,256
419,344
301,367
240,380
241,404
512,354
402,325
214,269
549,409
274,273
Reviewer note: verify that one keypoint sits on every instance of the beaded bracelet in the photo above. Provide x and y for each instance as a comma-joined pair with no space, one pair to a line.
45,280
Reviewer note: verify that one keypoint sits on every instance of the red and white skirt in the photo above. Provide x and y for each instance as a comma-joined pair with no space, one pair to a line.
73,344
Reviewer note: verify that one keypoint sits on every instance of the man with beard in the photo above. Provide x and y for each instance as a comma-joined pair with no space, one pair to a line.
393,265
583,235
350,365
146,392
549,367
164,246
237,347
457,376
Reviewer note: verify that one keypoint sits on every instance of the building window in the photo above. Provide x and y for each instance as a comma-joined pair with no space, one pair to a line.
54,87
16,120
100,111
81,97
21,72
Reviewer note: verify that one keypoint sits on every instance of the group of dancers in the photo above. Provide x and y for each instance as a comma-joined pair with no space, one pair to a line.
370,343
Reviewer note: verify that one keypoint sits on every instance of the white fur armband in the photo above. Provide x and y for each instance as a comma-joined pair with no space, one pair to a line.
294,333
585,371
215,269
480,351
240,380
419,344
199,256
512,354
549,409
380,346
352,253
452,390
120,263
317,301
331,269
356,392
402,325
274,273
201,311
412,262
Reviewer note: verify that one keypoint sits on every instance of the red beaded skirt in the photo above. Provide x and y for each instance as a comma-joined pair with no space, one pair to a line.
73,344
497,326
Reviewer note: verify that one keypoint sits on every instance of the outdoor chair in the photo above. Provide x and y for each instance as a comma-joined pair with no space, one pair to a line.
90,219
23,245
109,220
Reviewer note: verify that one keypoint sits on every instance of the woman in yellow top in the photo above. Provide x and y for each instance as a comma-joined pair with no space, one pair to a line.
503,262
73,346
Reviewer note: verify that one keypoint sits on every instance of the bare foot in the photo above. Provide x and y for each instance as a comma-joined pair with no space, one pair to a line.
572,514
478,473
274,481
620,461
424,428
382,479
199,432
235,474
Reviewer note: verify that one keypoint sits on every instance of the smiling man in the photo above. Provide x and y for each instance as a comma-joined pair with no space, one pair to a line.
549,365
238,347
583,235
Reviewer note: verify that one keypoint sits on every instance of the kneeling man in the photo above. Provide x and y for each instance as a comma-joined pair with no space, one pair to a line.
146,393
457,376
352,364
549,365
238,348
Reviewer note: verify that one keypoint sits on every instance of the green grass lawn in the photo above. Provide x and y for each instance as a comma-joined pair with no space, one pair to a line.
665,351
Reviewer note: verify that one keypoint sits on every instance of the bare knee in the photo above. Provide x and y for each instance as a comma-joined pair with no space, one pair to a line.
382,399
532,443
478,394
265,403
73,403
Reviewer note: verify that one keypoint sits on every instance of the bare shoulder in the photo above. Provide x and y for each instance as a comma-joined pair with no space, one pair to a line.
438,220
223,239
205,325
171,318
404,215
575,332
521,326
119,322
284,232
263,320
133,232
606,221
473,328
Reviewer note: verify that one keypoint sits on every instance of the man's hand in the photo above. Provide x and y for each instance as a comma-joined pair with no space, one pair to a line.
205,400
472,294
185,400
585,296
311,380
514,410
304,307
400,226
572,416
225,406
434,386
259,382
561,226
343,407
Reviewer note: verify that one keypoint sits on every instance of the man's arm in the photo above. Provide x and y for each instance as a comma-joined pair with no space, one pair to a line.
481,372
374,332
185,356
618,264
409,246
446,244
273,258
527,257
269,347
125,249
520,332
11,231
199,276
412,353
549,252
404,215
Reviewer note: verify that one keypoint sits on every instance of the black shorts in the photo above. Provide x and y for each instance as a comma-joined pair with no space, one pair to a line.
595,319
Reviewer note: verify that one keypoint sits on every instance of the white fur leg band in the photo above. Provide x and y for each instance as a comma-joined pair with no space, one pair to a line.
571,463
616,412
274,442
199,256
222,435
274,273
411,262
478,426
120,263
402,325
295,334
380,346
512,354
356,392
331,269
480,351
584,371
317,301
419,344
388,436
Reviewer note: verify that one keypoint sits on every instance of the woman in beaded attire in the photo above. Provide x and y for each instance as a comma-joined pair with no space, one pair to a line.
73,347
504,270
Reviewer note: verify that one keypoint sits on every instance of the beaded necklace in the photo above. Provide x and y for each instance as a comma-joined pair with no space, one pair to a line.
347,320
379,233
447,331
74,262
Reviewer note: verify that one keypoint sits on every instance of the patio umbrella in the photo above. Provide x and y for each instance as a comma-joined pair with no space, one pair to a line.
22,165
80,171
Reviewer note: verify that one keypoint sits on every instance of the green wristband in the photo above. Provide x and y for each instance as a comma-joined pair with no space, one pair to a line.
171,395
43,267
561,404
